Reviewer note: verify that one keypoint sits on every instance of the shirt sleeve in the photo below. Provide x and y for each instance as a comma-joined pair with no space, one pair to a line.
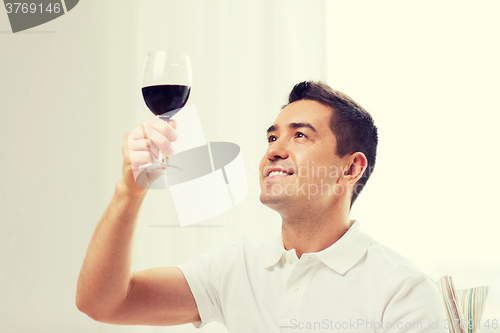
416,306
204,277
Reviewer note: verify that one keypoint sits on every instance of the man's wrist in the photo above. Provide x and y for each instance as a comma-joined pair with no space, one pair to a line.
123,189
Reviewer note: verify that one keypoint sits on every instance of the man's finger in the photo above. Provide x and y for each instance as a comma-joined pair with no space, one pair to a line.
163,128
159,140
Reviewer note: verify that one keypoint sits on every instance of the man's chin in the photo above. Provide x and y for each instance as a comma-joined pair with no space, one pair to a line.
274,201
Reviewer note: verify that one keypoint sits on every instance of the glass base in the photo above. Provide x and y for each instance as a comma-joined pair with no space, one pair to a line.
158,166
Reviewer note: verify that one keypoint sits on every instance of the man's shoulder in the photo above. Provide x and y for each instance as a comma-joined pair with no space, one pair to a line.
402,287
394,267
388,257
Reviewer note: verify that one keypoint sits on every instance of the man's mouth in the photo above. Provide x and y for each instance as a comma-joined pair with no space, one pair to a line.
277,173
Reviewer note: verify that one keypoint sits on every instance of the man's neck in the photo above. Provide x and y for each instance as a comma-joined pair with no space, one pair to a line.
314,231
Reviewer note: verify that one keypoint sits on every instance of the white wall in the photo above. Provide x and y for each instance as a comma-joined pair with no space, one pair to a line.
429,73
71,89
60,135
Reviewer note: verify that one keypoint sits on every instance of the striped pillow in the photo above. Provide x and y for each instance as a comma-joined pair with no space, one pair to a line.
464,307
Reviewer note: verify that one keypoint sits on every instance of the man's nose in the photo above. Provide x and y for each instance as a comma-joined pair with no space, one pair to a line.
277,150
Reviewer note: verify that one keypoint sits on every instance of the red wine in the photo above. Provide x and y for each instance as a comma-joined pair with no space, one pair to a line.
165,98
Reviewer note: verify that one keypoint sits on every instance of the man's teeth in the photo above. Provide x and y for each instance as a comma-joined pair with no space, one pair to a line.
278,173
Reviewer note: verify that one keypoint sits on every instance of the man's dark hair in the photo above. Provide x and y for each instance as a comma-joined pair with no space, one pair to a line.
352,126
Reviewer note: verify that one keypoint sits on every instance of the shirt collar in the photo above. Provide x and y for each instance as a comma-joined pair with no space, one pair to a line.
340,256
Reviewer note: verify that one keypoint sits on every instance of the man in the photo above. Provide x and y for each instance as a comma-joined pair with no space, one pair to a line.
320,273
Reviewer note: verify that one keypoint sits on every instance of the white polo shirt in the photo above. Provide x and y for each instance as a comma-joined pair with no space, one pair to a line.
355,285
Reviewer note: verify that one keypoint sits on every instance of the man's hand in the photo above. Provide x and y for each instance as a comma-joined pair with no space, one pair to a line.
142,146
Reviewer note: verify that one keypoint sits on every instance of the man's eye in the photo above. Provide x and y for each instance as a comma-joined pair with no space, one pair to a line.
300,135
271,138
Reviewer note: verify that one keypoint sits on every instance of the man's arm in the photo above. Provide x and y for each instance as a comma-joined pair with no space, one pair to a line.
107,290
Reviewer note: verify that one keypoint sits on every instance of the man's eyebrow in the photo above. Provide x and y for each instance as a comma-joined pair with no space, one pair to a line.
300,125
272,128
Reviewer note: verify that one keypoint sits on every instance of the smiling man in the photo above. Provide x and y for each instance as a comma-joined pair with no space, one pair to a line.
320,273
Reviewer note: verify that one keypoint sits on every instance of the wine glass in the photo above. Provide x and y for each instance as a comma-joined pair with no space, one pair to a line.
166,85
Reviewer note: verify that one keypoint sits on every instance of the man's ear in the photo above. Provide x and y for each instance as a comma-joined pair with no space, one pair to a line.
356,167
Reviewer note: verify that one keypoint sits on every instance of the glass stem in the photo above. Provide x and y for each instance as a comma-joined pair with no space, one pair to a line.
160,155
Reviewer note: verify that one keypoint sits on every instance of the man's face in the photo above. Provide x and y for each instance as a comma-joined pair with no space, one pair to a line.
300,166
